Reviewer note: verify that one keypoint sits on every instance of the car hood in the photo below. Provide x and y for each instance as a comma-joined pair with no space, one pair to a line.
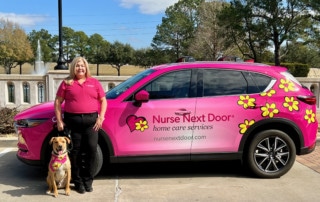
43,110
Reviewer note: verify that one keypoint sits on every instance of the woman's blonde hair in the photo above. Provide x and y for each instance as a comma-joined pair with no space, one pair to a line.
72,73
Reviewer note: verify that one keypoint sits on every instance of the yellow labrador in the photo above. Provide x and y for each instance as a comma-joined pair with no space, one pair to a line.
59,169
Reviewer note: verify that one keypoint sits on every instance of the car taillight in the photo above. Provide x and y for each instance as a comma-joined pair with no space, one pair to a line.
311,100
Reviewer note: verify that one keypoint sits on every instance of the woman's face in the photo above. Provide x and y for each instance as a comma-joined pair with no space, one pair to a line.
80,69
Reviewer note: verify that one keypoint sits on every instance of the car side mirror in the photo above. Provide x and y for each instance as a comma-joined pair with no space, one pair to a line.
140,97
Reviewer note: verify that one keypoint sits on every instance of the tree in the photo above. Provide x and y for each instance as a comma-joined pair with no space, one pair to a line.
120,54
178,27
80,43
299,52
68,39
98,50
46,44
210,38
262,21
312,35
238,21
15,48
314,5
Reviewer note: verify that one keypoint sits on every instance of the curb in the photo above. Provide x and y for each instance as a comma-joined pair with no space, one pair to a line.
8,141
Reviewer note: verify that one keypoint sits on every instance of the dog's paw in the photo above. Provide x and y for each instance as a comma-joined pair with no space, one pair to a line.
67,192
48,192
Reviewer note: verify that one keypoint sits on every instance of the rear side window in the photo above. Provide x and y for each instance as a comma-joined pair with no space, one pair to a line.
223,82
257,83
218,82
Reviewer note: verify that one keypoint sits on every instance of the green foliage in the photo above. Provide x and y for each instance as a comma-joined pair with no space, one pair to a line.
178,27
256,23
15,48
6,120
199,28
46,44
120,54
297,69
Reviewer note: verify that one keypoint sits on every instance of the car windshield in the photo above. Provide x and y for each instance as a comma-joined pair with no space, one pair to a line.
119,89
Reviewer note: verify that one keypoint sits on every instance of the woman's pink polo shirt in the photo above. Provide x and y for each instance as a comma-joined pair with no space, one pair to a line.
81,98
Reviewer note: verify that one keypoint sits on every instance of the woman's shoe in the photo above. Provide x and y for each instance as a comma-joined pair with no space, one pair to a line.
89,189
80,189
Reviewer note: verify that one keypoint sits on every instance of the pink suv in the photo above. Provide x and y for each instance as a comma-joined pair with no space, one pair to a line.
194,111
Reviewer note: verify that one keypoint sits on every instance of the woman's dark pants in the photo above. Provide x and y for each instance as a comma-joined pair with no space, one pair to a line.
85,141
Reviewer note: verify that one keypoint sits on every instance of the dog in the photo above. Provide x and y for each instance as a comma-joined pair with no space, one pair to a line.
59,168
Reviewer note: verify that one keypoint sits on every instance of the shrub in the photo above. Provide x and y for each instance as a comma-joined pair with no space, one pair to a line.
6,120
297,69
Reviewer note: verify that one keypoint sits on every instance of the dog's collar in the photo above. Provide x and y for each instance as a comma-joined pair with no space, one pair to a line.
56,161
56,154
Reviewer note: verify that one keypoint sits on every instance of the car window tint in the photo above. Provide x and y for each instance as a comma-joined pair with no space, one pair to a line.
171,85
223,82
257,83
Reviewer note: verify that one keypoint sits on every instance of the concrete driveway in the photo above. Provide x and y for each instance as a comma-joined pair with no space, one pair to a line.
161,182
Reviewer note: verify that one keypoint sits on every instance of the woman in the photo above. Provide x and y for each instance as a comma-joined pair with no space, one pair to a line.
84,109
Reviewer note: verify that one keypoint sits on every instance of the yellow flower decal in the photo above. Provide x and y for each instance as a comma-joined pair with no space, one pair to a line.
246,101
268,93
310,116
244,126
286,85
291,104
56,165
269,110
142,125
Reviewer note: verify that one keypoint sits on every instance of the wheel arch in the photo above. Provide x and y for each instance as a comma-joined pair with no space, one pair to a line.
46,148
284,125
105,145
104,142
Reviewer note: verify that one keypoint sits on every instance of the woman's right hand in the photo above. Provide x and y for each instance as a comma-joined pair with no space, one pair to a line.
60,125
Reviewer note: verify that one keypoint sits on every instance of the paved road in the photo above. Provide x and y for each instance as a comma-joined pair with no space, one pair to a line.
207,181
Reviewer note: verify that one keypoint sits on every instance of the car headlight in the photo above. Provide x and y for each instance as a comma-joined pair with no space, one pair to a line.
28,123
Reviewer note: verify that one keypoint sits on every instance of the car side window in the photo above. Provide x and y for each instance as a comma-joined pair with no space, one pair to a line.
257,83
171,85
261,81
223,82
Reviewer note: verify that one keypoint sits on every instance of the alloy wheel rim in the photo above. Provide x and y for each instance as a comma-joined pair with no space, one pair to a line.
271,154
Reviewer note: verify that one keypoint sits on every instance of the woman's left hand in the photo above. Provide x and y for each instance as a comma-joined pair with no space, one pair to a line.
98,123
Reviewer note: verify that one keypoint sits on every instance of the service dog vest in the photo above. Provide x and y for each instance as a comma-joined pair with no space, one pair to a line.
57,161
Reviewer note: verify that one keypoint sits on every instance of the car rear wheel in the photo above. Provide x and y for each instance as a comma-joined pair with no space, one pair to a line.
271,154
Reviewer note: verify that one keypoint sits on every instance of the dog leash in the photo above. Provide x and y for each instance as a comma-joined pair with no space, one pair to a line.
65,133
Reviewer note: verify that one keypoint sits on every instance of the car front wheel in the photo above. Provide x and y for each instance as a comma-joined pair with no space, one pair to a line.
99,161
271,154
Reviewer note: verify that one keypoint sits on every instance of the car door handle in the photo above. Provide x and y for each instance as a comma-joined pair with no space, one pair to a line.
255,107
181,113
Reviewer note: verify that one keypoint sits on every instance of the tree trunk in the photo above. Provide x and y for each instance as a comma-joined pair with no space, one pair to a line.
118,69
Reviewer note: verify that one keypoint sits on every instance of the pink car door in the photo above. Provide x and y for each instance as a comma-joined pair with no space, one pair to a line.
161,125
230,104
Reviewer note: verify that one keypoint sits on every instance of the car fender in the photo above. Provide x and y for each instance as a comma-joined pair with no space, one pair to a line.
282,124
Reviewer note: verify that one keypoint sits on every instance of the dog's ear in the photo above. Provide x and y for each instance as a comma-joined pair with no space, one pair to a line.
50,142
67,139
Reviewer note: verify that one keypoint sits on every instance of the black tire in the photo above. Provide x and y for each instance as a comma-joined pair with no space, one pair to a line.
271,154
99,161
47,156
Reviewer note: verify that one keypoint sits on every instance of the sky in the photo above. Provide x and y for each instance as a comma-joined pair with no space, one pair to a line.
127,21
